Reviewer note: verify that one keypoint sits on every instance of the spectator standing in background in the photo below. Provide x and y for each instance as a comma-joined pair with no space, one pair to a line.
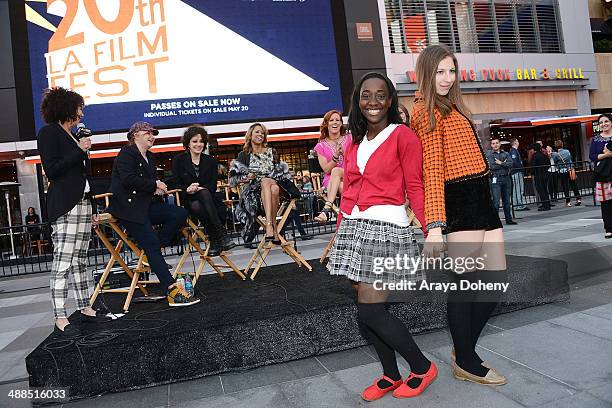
565,166
540,164
517,172
500,163
553,174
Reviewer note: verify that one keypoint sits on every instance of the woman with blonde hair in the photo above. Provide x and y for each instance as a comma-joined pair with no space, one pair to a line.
330,152
262,177
458,204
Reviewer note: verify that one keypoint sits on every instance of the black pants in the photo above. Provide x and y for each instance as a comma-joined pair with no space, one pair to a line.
606,214
553,184
567,183
171,218
540,186
294,218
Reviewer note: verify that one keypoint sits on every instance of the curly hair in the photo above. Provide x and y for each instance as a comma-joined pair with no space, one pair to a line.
326,118
61,105
192,131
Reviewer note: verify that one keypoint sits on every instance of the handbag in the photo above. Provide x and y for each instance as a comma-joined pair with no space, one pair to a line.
571,172
289,188
603,170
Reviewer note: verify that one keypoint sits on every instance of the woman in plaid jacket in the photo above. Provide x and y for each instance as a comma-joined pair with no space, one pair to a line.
458,204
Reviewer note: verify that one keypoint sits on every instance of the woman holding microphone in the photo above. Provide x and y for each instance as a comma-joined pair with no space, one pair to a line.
66,164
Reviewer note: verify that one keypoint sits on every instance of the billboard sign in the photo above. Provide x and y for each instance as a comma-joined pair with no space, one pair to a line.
173,62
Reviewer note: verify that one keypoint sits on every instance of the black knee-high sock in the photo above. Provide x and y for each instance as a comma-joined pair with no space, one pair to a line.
458,312
485,302
394,333
386,355
480,314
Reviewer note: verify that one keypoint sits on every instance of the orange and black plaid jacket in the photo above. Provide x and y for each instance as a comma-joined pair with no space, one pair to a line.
451,153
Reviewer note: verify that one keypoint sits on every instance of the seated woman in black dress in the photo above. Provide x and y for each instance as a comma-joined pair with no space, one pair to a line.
196,173
261,174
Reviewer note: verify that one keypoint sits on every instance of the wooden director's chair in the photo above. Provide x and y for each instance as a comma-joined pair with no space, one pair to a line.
194,234
336,211
263,249
317,186
107,220
412,220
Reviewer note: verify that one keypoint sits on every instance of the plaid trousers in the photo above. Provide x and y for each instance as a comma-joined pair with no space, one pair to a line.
71,233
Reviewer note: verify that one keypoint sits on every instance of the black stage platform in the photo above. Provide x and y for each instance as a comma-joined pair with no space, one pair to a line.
286,314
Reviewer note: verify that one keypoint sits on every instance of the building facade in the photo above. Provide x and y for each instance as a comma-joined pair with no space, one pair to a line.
522,59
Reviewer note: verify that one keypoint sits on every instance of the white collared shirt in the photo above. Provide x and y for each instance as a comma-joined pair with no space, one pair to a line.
395,214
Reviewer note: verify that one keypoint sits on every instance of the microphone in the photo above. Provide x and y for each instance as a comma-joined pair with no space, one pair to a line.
82,131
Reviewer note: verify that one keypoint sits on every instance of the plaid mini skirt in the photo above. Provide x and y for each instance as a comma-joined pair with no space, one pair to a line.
369,251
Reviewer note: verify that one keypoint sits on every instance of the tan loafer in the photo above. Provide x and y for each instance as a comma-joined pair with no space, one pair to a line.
454,358
492,377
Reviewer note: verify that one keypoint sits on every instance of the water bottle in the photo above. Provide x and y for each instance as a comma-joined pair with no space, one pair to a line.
188,285
180,282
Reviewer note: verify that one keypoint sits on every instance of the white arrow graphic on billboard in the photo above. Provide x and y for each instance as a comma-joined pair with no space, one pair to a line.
167,51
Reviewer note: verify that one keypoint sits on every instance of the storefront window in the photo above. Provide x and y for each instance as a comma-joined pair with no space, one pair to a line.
508,26
547,135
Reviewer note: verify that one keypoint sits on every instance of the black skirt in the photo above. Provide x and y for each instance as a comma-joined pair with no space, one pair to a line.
469,206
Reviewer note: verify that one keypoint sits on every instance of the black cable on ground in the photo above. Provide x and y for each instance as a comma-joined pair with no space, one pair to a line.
24,290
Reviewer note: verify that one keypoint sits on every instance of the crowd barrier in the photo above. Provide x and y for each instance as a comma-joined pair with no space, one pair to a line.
26,250
584,183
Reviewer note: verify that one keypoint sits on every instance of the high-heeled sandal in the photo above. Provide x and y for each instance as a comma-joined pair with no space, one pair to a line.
326,211
269,238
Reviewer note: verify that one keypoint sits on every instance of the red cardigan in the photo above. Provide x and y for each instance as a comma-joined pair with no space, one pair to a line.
393,171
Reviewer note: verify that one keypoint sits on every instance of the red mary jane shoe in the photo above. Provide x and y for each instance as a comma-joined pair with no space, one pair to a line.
404,391
374,392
